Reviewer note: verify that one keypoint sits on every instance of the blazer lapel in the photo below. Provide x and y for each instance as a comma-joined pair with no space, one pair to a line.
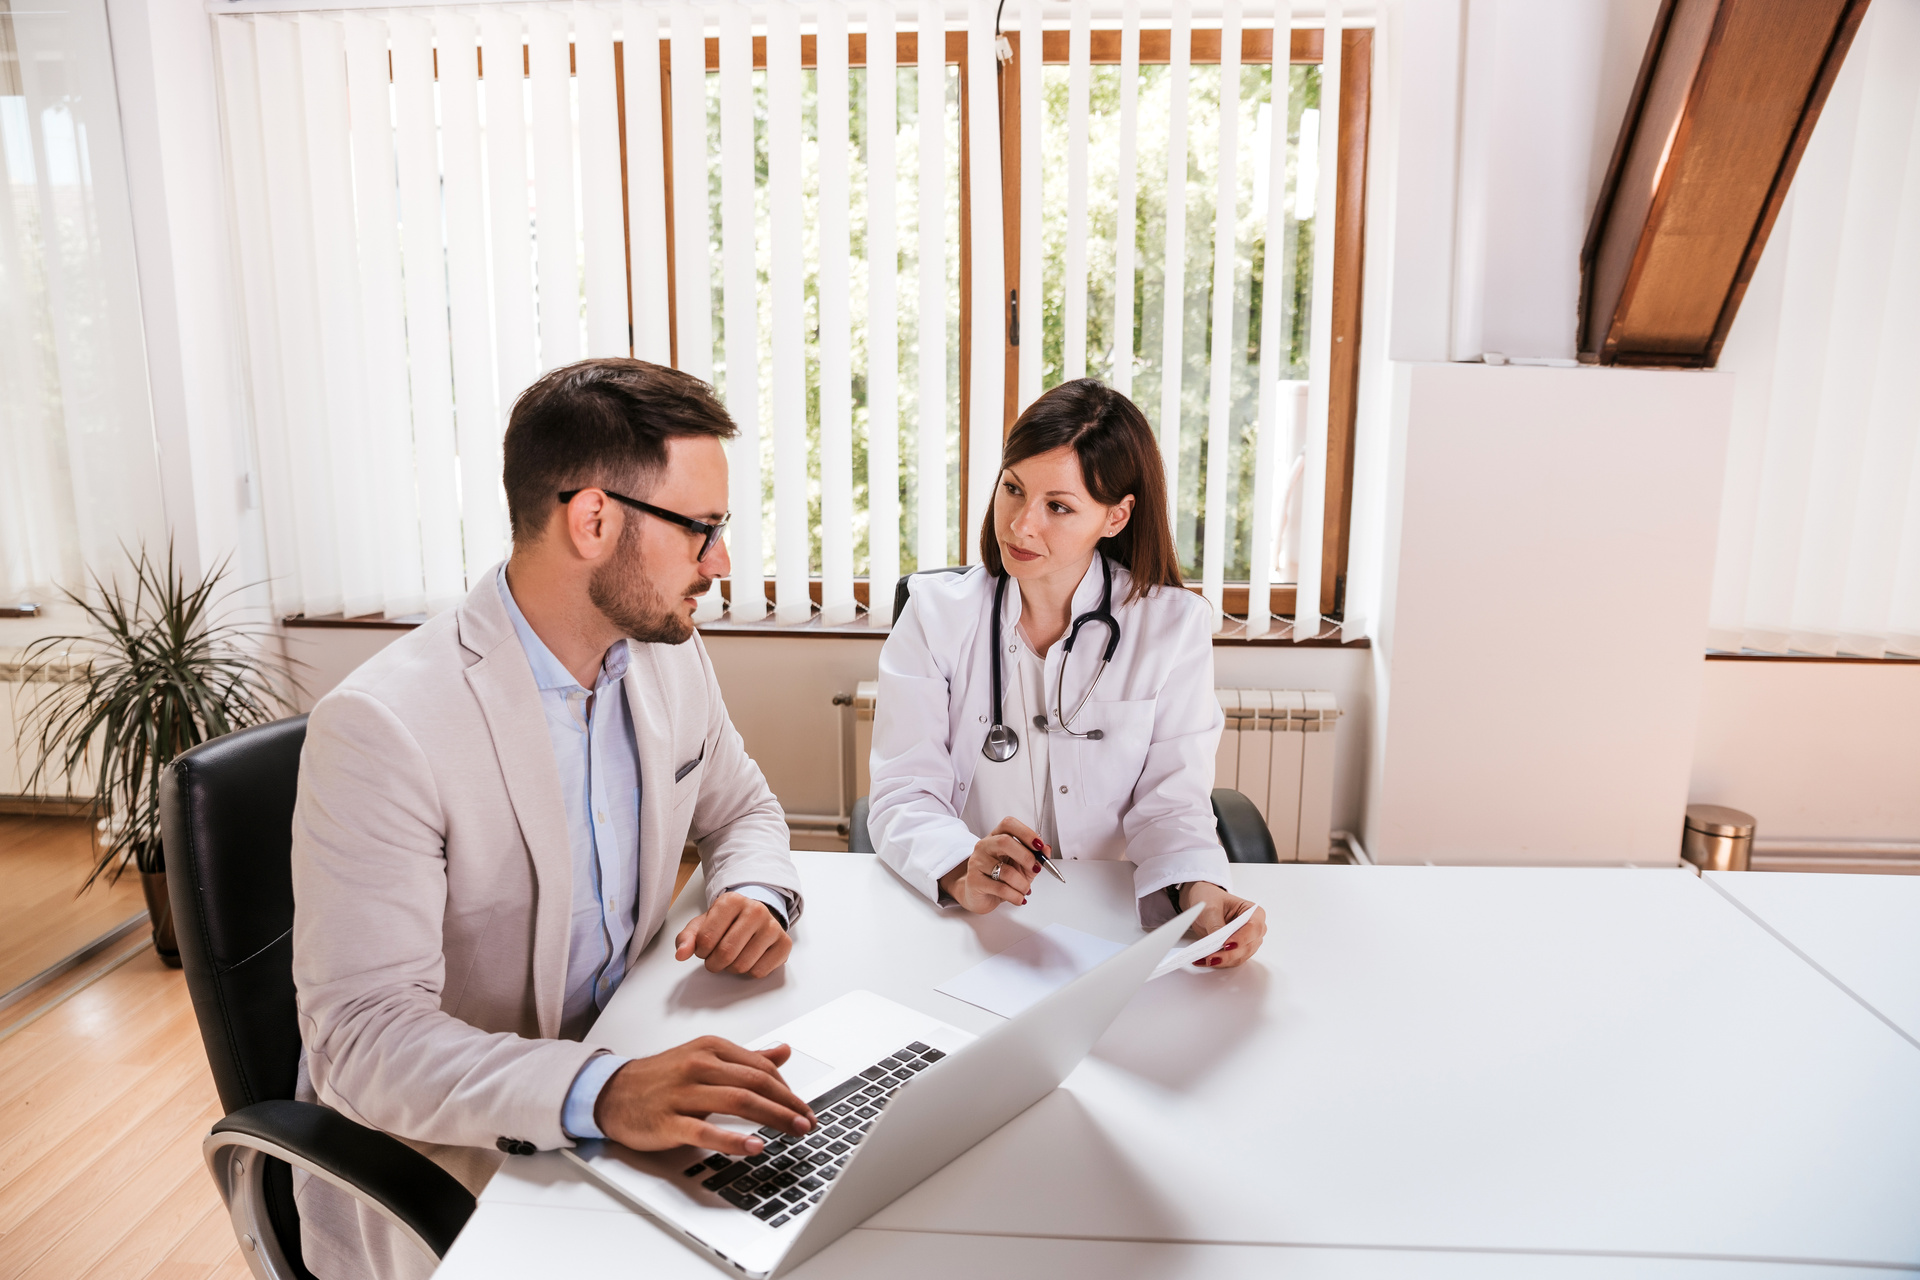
502,682
653,730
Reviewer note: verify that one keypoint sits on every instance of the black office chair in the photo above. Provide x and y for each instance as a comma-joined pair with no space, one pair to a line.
900,592
1243,832
226,815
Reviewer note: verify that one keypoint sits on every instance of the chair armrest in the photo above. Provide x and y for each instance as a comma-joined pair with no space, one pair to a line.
859,839
419,1197
1243,832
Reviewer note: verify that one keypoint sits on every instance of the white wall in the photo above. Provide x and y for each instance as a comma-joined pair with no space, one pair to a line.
1507,116
1813,750
1538,660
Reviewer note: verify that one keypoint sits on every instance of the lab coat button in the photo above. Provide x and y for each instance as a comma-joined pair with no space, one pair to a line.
1063,790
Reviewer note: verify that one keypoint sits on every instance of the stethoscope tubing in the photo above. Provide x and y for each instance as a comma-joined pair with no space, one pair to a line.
1002,743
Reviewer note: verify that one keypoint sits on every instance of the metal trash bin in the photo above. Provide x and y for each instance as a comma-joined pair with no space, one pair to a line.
1717,838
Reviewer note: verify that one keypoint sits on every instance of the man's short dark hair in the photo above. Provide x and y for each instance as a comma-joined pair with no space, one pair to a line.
599,423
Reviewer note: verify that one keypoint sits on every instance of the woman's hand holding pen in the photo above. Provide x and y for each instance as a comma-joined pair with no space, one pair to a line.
1217,908
1000,869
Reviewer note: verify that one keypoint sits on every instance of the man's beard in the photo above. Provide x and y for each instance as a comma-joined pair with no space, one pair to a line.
621,590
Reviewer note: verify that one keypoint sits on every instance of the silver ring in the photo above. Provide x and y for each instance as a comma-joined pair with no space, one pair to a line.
995,873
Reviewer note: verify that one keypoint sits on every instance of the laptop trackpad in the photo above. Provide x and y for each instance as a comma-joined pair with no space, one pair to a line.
809,1077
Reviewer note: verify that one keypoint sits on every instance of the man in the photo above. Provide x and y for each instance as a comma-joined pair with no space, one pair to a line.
492,811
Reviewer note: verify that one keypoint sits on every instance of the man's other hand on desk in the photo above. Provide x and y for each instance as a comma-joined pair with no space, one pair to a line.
657,1103
735,935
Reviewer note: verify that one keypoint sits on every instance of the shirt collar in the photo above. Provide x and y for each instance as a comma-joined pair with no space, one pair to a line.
548,671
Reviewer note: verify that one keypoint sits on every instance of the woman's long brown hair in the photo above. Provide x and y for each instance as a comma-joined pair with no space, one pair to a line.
1118,456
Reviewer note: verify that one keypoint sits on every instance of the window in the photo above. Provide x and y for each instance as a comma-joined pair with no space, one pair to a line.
77,477
1120,160
420,236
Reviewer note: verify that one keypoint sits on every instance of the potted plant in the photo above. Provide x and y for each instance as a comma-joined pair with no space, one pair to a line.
157,675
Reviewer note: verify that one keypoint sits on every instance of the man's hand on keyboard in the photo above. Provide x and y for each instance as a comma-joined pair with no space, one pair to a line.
657,1103
735,935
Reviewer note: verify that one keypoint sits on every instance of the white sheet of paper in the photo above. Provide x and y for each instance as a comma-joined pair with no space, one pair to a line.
1029,970
1206,946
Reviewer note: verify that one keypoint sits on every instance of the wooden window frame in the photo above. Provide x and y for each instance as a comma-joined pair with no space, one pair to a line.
1256,46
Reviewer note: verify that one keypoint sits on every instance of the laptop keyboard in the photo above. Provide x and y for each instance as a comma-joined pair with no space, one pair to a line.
791,1174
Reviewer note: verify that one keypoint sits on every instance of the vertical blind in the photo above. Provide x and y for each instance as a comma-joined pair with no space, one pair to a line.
1819,547
1168,247
436,205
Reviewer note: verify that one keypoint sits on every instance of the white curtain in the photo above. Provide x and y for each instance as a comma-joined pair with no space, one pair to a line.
78,474
1820,520
432,210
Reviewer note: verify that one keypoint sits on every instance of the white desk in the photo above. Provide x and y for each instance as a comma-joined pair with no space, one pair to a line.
1499,1061
1863,930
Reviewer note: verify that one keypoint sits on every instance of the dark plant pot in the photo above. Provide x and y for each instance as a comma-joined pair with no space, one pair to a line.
160,908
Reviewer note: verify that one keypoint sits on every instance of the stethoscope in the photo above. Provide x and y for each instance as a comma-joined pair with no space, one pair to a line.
1002,742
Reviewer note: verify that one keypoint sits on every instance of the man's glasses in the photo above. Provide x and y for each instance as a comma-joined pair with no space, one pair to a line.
709,533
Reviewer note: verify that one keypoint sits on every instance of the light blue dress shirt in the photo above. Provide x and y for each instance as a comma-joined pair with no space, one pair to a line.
598,758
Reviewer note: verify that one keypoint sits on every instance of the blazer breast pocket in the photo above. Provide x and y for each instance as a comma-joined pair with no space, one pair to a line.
680,774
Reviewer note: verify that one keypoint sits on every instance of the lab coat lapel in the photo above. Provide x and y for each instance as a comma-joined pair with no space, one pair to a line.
654,733
502,682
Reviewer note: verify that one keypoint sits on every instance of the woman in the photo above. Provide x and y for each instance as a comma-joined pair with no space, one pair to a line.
1066,756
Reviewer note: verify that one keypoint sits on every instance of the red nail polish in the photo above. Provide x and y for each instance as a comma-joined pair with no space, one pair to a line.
1214,961
1038,843
1036,868
1230,946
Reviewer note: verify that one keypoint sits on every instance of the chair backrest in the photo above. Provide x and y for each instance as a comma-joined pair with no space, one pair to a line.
226,820
900,587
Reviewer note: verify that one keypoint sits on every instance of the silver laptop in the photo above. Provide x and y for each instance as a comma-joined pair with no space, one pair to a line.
901,1095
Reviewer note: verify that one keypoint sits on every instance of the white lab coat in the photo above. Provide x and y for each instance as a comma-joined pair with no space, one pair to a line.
1140,793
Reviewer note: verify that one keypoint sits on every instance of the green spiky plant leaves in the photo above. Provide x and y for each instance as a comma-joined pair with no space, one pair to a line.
160,673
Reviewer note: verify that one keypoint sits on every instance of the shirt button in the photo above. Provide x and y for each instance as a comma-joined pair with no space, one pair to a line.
983,719
1013,648
1063,790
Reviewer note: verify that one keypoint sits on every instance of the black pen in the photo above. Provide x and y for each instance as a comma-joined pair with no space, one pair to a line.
1040,852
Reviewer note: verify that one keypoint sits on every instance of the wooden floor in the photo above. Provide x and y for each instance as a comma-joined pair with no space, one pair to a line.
103,1103
43,916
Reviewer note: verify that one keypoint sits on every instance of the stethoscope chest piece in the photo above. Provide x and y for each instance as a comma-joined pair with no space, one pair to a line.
1001,745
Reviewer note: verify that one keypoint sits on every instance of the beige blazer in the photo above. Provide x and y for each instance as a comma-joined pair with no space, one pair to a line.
433,884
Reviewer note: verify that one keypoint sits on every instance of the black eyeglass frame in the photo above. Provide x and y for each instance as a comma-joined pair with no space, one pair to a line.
708,530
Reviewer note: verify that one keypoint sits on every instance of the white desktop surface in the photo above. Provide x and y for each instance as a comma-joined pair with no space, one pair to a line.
1863,930
1486,1059
511,1241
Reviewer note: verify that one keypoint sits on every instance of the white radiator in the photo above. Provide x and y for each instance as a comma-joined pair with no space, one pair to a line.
1277,750
17,697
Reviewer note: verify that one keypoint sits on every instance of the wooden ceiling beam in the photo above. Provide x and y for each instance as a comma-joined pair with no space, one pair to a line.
1728,94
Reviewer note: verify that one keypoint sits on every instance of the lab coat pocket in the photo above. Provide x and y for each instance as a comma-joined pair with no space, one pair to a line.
1110,766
